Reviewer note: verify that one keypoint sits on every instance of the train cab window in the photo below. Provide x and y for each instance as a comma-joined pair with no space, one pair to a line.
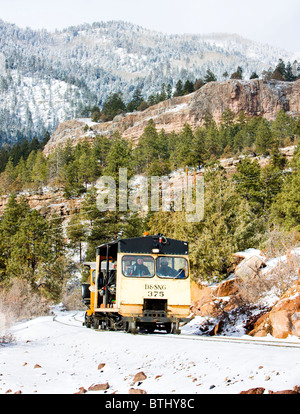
138,266
172,267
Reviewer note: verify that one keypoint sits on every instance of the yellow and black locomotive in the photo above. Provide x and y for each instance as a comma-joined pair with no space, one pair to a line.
139,283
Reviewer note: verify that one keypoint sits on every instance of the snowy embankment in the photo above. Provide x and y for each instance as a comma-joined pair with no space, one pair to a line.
54,358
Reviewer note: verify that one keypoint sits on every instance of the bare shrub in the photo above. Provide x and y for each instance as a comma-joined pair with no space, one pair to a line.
285,273
71,298
279,243
19,302
252,289
276,280
6,338
5,323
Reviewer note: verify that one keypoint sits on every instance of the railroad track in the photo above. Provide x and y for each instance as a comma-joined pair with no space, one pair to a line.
74,319
252,341
67,322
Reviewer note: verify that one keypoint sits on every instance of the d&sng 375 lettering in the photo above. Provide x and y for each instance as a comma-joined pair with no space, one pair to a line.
155,291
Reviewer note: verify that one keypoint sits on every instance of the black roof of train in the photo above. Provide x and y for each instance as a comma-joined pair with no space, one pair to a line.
146,244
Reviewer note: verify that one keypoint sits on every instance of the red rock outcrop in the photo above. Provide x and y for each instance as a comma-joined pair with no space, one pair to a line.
284,318
255,97
49,202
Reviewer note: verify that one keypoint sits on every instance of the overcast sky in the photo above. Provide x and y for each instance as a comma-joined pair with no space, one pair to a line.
268,21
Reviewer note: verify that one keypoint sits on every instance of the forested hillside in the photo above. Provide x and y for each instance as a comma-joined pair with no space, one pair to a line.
244,209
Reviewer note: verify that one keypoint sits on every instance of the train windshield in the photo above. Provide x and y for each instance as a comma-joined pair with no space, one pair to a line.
138,266
172,267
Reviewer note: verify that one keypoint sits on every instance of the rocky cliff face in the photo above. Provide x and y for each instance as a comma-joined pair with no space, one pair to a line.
255,98
47,202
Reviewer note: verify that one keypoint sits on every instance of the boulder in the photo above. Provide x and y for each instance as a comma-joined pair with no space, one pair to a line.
212,301
137,391
99,387
82,390
284,318
257,390
227,288
249,267
140,376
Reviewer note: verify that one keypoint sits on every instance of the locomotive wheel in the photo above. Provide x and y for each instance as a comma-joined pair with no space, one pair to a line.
95,323
130,327
173,328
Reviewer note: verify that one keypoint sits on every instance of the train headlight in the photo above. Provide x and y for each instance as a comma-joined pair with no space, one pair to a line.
155,250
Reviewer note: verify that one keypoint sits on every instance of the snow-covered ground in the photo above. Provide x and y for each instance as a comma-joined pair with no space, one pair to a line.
54,358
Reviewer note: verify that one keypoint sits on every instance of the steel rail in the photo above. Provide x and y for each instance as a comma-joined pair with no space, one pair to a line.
195,337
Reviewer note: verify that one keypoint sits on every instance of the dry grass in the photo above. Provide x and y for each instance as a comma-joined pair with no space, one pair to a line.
279,243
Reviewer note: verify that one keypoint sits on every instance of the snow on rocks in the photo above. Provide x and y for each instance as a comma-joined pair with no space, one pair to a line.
284,318
243,303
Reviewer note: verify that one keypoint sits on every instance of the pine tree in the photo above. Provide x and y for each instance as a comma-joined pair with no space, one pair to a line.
136,101
210,76
238,74
113,105
30,248
280,71
76,232
289,75
119,156
282,128
179,89
183,155
264,139
286,206
148,149
249,185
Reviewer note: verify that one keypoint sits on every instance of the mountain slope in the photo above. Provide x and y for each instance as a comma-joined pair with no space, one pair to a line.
82,65
255,98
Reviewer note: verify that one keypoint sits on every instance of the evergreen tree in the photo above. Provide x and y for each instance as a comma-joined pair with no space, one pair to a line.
198,151
282,128
183,155
272,179
179,88
249,185
136,101
89,210
280,71
32,248
188,87
286,205
113,105
209,77
119,156
238,74
148,149
76,232
264,139
289,75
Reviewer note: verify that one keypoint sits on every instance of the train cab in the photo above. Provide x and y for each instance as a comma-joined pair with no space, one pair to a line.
140,284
